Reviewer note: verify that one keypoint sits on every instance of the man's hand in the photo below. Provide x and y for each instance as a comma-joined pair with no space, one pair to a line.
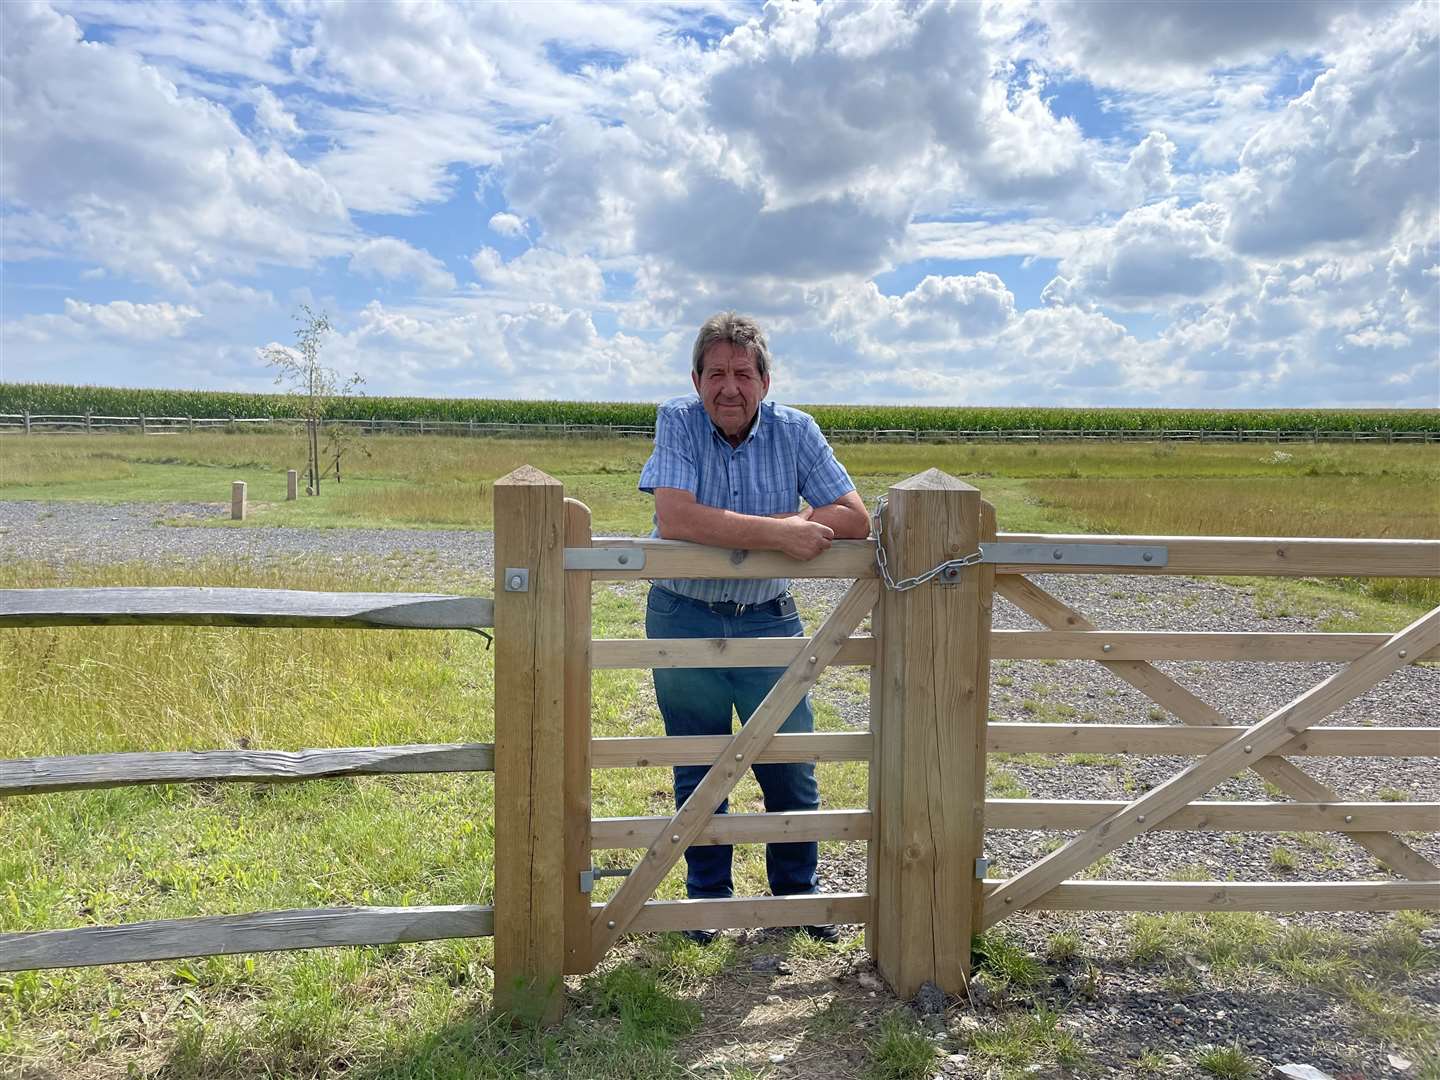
803,539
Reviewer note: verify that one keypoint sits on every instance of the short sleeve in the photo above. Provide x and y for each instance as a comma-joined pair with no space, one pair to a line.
672,462
823,480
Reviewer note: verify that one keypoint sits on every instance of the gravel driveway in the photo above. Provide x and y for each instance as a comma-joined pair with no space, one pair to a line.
1270,1025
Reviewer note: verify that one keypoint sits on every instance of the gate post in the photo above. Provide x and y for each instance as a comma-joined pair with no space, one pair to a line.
578,631
529,745
928,709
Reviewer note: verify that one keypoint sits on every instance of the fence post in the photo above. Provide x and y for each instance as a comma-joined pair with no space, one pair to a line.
237,500
578,635
529,745
142,425
87,421
27,421
292,485
928,714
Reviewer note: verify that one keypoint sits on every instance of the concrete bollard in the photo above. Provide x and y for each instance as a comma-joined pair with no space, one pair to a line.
237,501
292,485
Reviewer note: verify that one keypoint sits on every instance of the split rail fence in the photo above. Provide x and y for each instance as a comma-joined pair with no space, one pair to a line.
929,651
56,423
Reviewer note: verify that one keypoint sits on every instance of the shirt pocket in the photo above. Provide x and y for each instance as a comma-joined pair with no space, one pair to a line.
769,501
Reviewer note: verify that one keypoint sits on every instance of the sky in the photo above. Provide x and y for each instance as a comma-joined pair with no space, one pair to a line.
1034,202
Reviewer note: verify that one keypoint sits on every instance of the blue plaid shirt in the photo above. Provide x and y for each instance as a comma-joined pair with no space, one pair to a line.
783,458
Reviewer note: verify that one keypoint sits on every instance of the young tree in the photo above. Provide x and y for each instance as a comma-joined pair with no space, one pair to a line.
316,386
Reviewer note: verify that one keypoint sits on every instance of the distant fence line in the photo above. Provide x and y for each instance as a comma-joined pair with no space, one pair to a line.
50,423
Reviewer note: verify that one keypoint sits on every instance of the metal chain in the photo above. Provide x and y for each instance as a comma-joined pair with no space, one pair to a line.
949,569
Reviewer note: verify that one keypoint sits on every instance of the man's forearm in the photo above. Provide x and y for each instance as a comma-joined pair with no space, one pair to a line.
720,528
848,522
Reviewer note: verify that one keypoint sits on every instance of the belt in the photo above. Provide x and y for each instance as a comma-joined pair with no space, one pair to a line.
729,608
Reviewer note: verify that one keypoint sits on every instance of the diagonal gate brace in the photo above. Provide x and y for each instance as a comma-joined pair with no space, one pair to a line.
1189,783
1165,691
741,752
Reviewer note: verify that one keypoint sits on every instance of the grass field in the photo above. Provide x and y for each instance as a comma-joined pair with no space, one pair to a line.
435,482
130,854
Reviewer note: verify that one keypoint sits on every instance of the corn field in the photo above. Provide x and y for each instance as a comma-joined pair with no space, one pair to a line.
54,399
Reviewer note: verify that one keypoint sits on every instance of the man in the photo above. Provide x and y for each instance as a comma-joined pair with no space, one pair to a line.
729,470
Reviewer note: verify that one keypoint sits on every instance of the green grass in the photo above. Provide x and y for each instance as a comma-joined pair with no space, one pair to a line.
1226,1062
1244,948
900,1050
422,1010
439,482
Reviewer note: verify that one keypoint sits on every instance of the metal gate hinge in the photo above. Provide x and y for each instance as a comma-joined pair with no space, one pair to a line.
981,865
605,558
589,877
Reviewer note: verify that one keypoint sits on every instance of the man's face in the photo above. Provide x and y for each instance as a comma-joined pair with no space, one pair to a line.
730,387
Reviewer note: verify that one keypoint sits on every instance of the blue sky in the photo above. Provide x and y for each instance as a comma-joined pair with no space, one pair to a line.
1158,203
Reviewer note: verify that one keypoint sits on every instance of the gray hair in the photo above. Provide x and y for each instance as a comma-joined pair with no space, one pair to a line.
738,330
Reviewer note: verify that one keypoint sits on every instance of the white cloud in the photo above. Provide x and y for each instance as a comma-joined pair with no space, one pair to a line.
272,116
507,224
119,320
1154,256
1041,237
1141,43
543,351
541,275
397,160
943,313
128,172
1345,162
394,259
1148,172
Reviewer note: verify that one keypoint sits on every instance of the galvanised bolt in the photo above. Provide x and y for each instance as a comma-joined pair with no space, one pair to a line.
1141,819
1349,818
814,659
675,839
1248,749
610,925
1148,557
623,559
1106,648
1058,553
739,757
1403,654
515,582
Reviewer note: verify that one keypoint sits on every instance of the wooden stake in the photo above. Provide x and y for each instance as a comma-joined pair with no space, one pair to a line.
929,716
237,501
529,745
292,485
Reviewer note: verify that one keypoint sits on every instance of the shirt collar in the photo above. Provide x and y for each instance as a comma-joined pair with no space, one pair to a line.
756,427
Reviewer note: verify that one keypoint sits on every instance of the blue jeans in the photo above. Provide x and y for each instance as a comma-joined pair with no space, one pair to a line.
703,701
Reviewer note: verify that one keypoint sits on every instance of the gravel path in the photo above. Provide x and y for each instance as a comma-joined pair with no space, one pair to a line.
1138,1006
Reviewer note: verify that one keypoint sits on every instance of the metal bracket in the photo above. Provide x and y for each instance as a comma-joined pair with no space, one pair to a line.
589,877
517,579
1076,554
981,865
605,558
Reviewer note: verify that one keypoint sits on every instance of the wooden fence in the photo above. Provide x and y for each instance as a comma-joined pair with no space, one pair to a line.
929,650
93,423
